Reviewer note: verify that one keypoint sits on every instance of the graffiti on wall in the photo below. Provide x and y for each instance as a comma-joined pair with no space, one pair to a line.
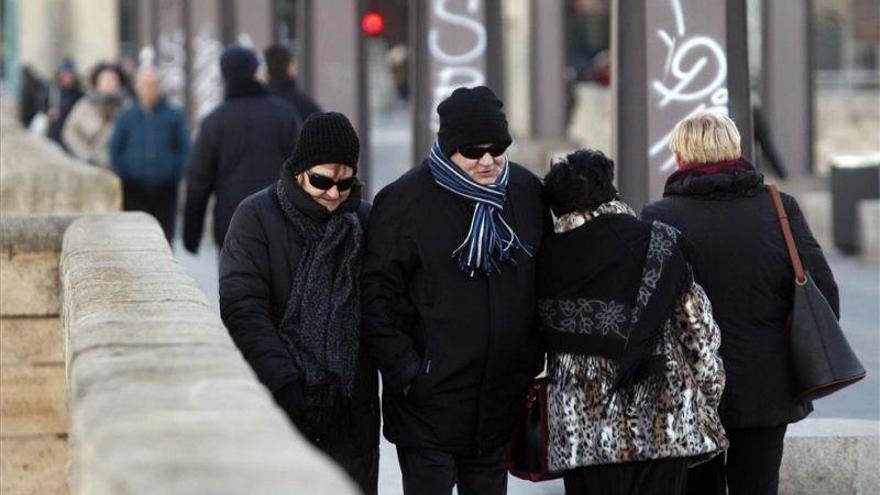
693,78
207,84
171,64
457,47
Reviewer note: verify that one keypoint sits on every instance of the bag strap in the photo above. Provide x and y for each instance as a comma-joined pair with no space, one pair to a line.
799,276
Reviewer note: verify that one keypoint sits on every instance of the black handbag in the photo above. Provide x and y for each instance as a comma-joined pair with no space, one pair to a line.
527,458
822,360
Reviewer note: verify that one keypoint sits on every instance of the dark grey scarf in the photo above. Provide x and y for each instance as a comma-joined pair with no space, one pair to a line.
322,319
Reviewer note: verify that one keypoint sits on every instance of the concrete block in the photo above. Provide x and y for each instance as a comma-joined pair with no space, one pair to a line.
591,121
34,400
830,455
29,284
29,251
537,154
30,341
816,207
34,465
869,230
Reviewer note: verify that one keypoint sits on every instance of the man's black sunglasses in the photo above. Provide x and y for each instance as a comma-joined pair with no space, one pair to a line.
477,152
325,183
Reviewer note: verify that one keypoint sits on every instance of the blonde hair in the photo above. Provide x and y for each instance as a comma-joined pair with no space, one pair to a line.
705,137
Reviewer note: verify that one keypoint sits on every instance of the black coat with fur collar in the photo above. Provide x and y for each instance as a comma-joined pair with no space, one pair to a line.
741,261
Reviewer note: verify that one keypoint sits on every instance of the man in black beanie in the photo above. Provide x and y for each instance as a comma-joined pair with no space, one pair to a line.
290,297
448,292
239,147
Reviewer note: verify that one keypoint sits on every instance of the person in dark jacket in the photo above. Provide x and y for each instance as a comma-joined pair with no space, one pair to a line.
718,201
148,151
282,82
449,300
634,375
239,148
289,295
63,95
32,96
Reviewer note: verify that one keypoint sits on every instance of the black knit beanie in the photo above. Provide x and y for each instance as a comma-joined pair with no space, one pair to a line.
325,138
471,116
238,63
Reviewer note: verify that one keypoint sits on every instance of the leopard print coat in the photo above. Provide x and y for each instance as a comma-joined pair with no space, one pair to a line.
671,415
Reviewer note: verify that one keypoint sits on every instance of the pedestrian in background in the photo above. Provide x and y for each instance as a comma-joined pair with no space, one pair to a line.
89,126
32,96
63,95
239,148
289,295
148,150
449,301
634,375
719,202
282,81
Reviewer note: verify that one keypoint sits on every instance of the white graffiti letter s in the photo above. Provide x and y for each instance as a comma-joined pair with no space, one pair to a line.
440,10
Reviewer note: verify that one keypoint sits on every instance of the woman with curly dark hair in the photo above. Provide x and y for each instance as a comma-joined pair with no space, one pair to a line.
89,126
634,373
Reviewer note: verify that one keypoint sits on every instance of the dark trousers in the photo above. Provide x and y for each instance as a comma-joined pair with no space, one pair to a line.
432,472
157,200
751,466
660,477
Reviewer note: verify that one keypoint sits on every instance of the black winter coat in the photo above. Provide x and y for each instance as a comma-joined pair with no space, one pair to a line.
257,266
238,151
742,263
466,346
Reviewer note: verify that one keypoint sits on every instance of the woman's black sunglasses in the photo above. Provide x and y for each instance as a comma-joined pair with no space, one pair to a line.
477,152
325,183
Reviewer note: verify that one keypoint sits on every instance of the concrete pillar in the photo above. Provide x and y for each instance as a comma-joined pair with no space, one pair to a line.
333,64
41,36
455,43
255,20
94,31
547,66
787,97
671,59
517,50
202,48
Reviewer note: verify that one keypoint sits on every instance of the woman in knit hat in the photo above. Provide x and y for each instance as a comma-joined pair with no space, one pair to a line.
289,295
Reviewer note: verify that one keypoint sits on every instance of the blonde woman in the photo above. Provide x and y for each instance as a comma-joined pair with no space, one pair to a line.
717,199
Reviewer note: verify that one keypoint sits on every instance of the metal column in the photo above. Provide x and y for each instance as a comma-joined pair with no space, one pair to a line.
334,64
787,93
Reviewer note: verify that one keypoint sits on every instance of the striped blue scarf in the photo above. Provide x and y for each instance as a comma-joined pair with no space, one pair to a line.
490,240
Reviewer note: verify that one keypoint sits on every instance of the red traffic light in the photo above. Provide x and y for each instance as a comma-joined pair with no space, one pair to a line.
373,23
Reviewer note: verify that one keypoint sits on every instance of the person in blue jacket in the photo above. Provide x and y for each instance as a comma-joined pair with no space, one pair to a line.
148,151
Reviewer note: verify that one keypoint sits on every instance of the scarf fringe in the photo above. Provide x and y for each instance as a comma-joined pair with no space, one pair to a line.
490,240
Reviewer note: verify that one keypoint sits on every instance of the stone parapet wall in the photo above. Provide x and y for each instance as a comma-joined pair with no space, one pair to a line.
160,399
831,456
36,176
33,445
